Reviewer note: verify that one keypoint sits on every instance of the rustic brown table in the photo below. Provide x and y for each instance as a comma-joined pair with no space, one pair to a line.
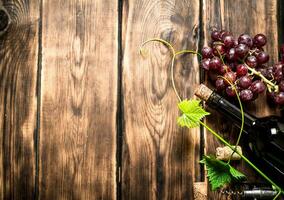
84,116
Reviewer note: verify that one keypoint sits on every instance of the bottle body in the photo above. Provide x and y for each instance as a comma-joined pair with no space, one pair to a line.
263,138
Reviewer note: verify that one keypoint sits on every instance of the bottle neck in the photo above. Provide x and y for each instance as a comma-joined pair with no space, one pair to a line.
230,111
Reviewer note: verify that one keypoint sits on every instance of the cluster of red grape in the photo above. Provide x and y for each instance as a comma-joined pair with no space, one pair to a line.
242,62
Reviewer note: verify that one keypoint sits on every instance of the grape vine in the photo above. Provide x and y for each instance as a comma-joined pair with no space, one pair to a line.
225,79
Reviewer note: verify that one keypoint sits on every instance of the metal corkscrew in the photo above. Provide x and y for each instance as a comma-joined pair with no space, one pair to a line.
259,193
251,191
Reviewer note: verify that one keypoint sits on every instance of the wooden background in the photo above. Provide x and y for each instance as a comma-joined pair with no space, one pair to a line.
84,116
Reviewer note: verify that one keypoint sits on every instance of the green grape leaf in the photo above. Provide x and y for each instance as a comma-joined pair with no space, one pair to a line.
192,113
236,174
220,173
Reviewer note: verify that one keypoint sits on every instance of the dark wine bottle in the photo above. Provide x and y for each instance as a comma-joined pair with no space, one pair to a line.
263,138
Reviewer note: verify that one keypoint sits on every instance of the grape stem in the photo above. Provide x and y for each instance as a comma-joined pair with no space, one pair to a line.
242,112
174,54
172,62
269,84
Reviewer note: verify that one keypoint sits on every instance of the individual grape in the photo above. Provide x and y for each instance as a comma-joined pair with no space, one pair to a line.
223,69
246,95
242,50
245,39
242,70
263,71
215,63
278,75
244,82
279,99
262,57
257,87
267,72
224,33
220,84
259,40
230,77
278,72
228,41
205,63
230,91
215,35
218,49
231,55
277,66
207,52
281,86
251,61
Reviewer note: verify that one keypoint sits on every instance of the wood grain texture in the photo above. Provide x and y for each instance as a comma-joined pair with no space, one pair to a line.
18,100
239,17
78,100
160,160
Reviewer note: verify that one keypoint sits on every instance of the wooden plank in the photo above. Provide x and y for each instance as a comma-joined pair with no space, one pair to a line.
18,100
78,100
238,17
160,160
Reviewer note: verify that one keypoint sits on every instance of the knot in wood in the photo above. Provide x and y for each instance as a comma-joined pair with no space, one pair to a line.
4,20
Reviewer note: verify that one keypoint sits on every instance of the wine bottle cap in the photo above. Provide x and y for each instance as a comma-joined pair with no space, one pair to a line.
203,92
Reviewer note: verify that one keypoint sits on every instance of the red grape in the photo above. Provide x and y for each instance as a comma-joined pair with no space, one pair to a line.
207,52
281,86
262,57
218,49
242,70
245,39
220,84
266,72
251,61
244,82
231,55
230,91
223,69
279,98
215,35
231,77
224,33
242,50
259,40
277,66
246,95
257,87
215,63
278,75
205,63
228,41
